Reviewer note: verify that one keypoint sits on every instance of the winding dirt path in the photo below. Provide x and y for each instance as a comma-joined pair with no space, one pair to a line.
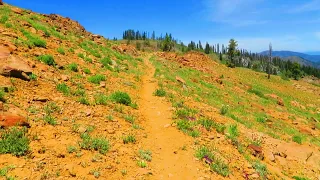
170,160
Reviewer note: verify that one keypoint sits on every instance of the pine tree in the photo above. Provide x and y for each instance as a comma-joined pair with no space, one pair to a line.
200,46
232,49
207,48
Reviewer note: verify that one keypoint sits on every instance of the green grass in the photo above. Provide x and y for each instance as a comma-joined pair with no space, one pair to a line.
63,88
142,164
2,95
98,144
47,59
61,50
80,55
207,123
129,139
300,178
129,119
50,119
14,141
34,40
4,19
106,62
217,164
261,169
96,79
101,99
87,71
224,110
297,139
145,155
160,93
121,98
73,67
233,132
257,92
33,77
71,149
84,100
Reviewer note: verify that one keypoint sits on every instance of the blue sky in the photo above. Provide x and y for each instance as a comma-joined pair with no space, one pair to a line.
287,24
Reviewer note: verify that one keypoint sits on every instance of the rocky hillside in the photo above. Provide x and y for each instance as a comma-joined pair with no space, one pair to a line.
75,105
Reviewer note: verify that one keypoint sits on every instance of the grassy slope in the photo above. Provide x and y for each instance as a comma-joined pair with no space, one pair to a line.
244,93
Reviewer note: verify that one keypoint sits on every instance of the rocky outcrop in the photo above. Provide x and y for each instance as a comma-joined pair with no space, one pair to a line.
9,120
11,66
1,3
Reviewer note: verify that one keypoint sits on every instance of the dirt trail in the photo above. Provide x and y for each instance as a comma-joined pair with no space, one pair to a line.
169,161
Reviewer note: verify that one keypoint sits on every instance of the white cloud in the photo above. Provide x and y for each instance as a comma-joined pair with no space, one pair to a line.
234,12
313,5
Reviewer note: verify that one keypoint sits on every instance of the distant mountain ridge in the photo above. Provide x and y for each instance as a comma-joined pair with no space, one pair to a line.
304,59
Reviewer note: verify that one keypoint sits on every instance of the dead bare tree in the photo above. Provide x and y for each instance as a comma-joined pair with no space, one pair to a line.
269,61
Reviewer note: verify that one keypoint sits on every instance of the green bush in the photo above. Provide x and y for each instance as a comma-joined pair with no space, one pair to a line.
106,62
87,71
207,123
98,144
224,110
96,79
233,132
160,93
61,50
121,98
73,67
261,169
14,141
63,88
33,40
47,59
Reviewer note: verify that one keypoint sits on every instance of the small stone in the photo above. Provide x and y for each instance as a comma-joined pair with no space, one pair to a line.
271,157
170,175
111,131
167,125
88,112
211,137
255,176
65,78
102,84
82,130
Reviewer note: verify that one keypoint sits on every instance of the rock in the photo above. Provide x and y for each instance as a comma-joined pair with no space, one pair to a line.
1,3
256,151
82,130
211,137
102,84
270,157
9,34
17,11
167,125
15,67
9,120
111,131
1,106
280,102
179,79
88,112
255,176
65,78
40,99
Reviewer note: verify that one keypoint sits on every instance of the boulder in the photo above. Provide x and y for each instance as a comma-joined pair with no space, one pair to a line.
1,3
9,120
12,66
